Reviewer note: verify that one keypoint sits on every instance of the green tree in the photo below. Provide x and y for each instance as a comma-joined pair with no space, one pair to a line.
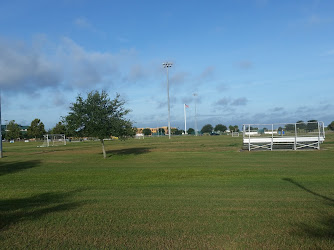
191,131
207,128
331,126
290,127
13,130
98,116
36,129
312,125
176,131
301,124
236,128
231,128
220,128
161,131
60,128
147,131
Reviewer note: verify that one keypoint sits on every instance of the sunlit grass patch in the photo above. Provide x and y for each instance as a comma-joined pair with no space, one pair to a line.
187,192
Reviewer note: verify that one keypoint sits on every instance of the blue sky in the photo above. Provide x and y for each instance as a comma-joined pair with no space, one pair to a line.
260,61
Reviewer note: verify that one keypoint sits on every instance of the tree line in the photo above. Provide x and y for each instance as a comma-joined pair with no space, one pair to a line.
219,128
100,117
94,116
300,125
208,128
36,130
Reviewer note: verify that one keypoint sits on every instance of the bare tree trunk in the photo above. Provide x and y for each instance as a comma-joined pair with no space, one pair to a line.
103,150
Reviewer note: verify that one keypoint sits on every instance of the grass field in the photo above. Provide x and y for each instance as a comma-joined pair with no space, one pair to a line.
187,192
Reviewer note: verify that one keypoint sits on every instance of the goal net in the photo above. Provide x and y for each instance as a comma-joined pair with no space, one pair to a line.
54,140
235,134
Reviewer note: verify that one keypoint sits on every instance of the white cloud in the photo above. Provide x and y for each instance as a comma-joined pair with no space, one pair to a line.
83,68
242,101
245,64
122,39
227,101
178,78
26,69
83,23
23,68
222,87
136,73
207,73
329,52
278,109
316,19
223,101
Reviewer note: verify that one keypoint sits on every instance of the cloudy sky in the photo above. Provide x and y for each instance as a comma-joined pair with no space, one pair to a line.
255,61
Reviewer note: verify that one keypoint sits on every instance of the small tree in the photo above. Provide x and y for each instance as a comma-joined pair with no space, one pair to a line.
176,131
331,126
301,125
36,129
191,131
220,128
290,127
147,131
60,128
207,128
98,116
13,130
161,131
312,125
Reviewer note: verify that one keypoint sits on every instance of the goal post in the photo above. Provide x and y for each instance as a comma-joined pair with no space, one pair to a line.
235,134
53,140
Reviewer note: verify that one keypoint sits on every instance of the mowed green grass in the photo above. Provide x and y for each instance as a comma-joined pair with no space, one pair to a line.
187,192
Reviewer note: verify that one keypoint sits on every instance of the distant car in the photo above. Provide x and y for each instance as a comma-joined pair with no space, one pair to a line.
213,133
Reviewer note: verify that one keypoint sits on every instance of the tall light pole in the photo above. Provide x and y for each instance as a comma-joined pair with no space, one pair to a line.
168,65
196,132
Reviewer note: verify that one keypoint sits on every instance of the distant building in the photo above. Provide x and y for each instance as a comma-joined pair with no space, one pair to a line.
154,131
23,129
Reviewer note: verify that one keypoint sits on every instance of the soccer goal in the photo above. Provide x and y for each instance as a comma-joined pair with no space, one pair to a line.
235,134
54,140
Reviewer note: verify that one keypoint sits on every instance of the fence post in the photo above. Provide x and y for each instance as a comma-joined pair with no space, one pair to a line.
249,148
295,146
318,135
272,136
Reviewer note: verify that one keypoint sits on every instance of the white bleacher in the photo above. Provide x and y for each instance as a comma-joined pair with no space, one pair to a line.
262,138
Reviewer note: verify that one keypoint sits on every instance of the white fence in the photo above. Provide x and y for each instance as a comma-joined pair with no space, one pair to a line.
292,136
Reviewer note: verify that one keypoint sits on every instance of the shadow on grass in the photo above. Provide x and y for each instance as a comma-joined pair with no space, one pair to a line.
32,208
13,167
128,151
308,190
324,228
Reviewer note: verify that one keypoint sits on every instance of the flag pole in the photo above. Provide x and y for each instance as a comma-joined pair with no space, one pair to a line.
1,155
185,119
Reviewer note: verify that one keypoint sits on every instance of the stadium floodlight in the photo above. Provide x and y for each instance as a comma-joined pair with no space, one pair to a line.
168,65
196,132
